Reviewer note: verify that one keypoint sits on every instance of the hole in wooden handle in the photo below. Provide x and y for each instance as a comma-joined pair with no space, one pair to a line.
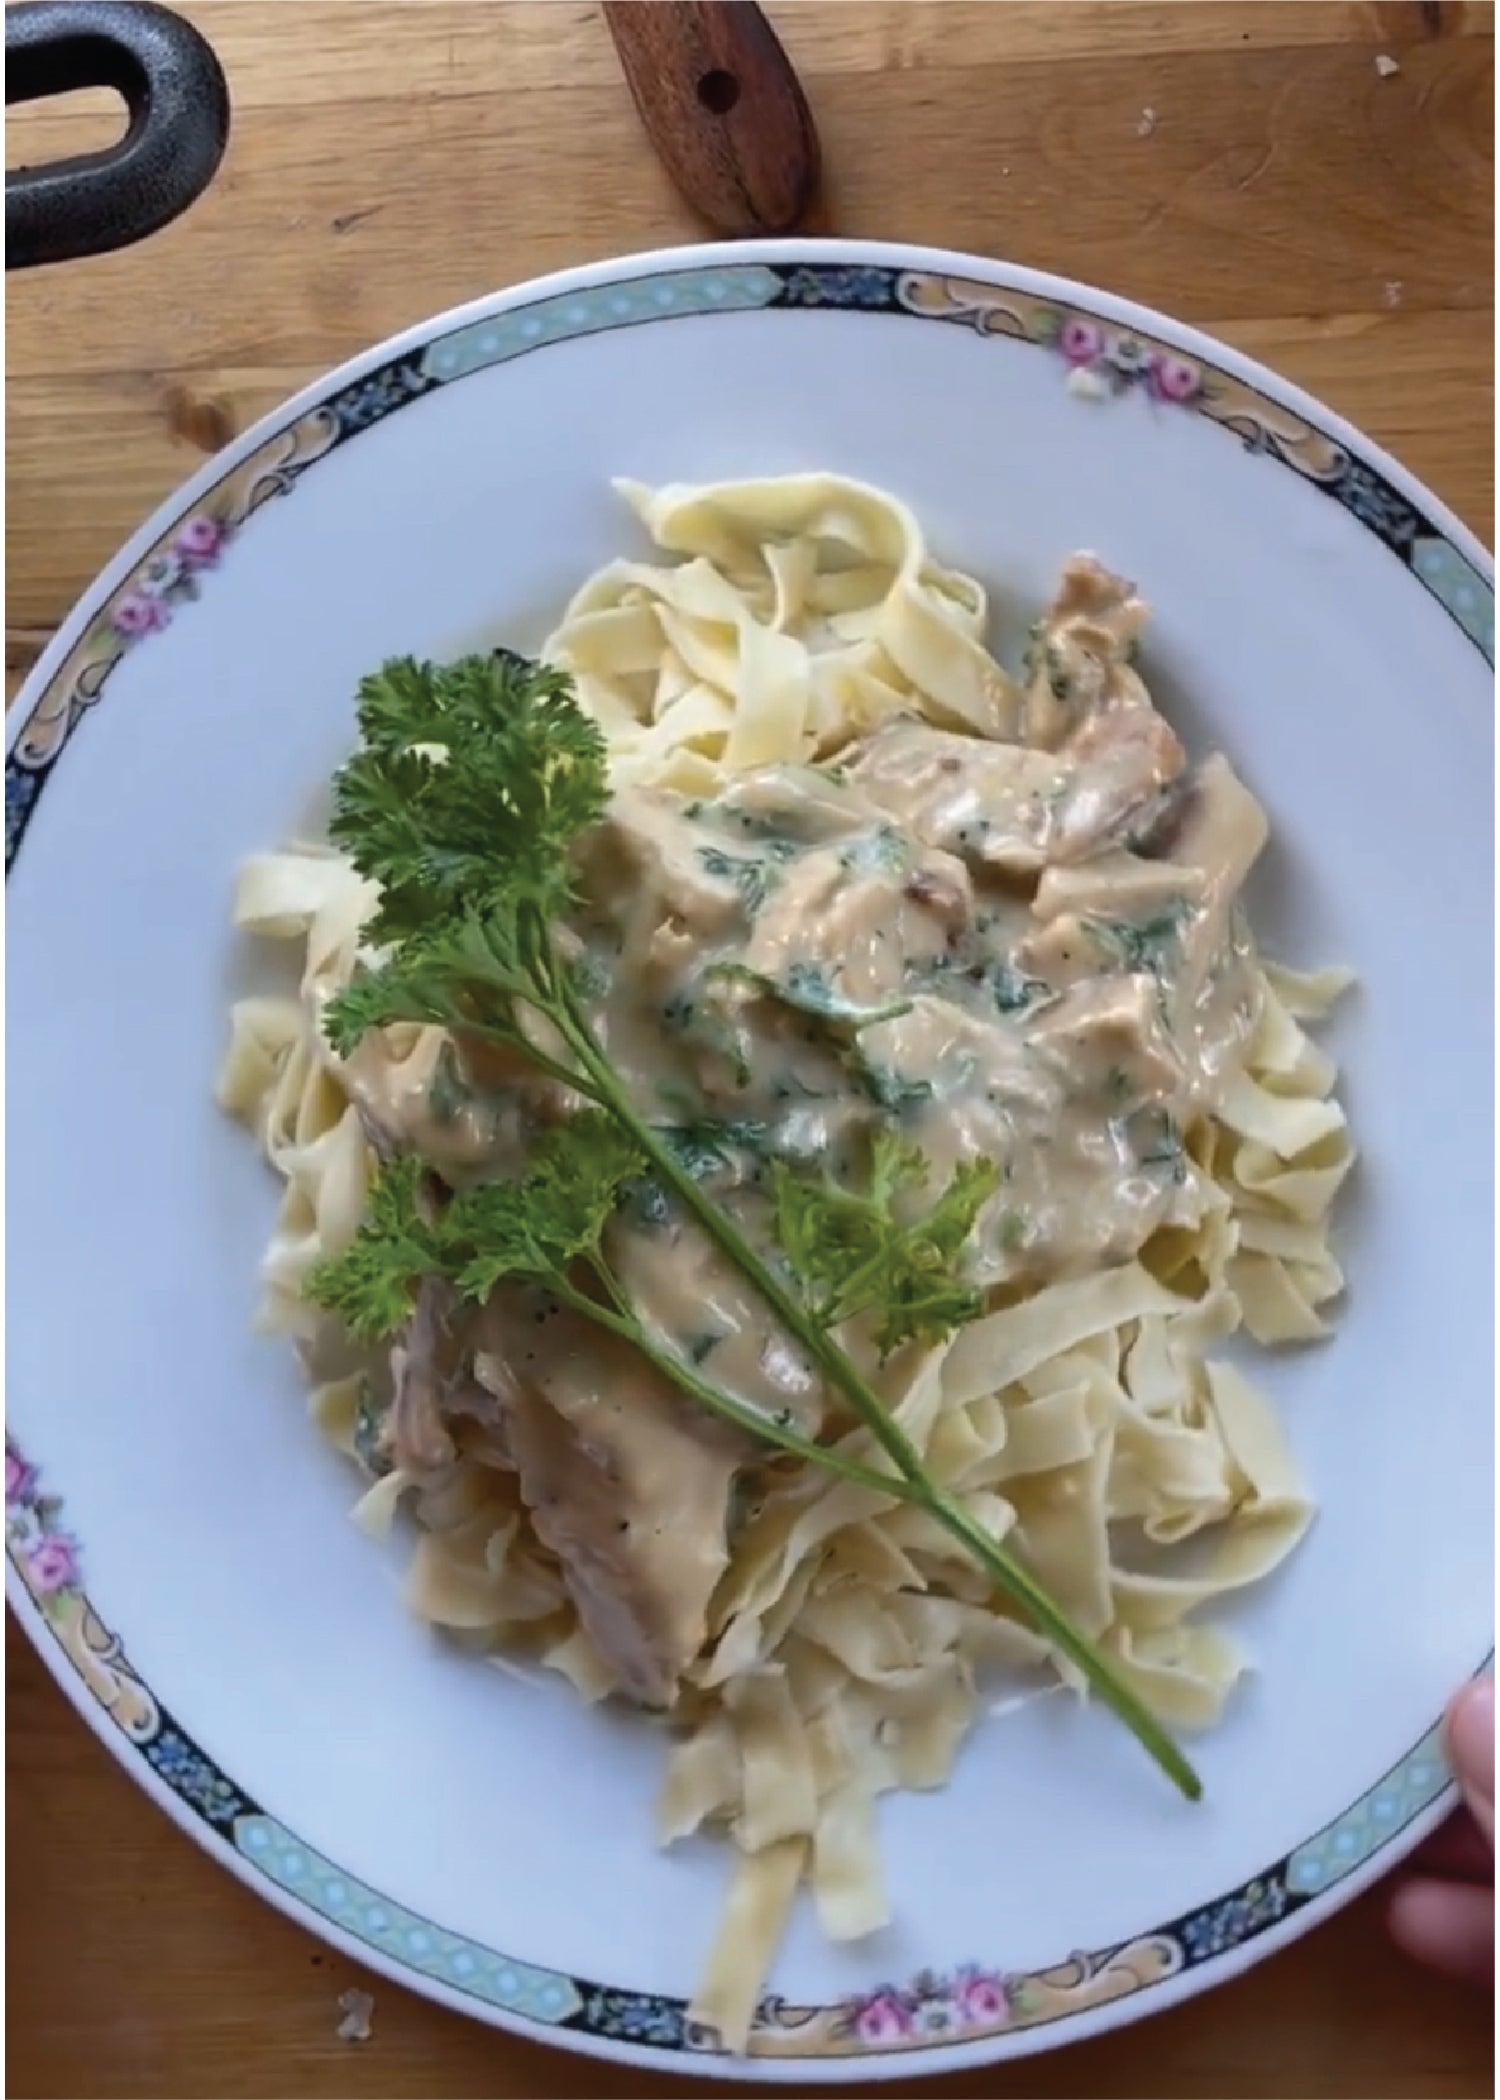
718,91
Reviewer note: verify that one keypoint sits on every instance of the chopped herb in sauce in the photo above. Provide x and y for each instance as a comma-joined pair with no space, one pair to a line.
1157,1142
707,1024
754,879
771,828
1015,994
1034,635
808,989
1118,1086
369,1426
1144,945
707,1146
645,1204
890,1089
882,852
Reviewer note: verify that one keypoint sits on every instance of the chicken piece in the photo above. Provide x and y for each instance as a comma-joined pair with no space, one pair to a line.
627,1482
1097,767
388,1076
981,801
1220,836
1085,701
1123,759
1039,1101
1217,839
1019,810
1079,648
940,885
461,1105
797,804
1148,828
1065,951
425,1365
1110,1034
862,916
681,1285
1115,885
652,864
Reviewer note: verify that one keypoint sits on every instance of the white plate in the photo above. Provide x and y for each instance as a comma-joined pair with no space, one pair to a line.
178,1540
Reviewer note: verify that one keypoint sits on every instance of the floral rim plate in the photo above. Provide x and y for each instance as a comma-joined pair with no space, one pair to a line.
175,1539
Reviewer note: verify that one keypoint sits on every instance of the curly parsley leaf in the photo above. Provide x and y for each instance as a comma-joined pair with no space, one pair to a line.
754,878
463,803
533,1229
372,1285
537,1228
854,1253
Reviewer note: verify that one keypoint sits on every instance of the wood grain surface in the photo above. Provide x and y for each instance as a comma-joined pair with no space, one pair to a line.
1247,167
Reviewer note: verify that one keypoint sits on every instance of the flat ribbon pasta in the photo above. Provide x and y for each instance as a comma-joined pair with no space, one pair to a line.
804,609
1090,1424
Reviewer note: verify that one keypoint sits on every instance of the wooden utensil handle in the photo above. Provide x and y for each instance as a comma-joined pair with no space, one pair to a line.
722,107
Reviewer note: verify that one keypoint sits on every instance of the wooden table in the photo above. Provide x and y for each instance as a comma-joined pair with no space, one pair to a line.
1248,167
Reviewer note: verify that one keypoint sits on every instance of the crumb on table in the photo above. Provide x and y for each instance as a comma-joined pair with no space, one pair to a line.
356,2007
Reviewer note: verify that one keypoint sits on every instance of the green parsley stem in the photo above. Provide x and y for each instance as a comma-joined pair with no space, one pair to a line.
1052,1621
764,1427
831,1360
822,1350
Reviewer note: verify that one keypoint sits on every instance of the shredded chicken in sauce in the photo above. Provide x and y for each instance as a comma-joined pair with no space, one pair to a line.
1025,952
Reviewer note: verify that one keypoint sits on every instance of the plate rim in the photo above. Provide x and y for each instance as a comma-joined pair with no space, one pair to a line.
827,256
829,251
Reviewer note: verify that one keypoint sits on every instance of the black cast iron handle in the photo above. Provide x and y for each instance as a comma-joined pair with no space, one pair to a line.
178,102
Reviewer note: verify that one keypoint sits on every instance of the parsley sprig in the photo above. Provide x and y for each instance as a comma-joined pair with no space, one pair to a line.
853,1254
464,803
545,1231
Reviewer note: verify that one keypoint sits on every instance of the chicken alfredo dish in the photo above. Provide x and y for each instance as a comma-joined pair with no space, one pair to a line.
778,1118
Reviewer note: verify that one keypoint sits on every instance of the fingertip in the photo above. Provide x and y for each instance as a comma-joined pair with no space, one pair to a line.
1469,1733
1446,1925
1457,1851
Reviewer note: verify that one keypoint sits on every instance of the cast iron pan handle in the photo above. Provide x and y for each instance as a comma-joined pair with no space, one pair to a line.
179,122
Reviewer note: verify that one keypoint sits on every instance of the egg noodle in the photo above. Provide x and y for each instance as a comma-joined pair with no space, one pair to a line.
784,620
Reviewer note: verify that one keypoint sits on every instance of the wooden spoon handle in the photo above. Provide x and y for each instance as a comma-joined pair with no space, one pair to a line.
722,107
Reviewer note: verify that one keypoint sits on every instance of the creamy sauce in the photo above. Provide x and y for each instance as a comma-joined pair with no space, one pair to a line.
1023,953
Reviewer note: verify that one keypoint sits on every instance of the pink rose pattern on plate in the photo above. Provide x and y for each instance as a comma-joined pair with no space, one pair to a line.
20,1479
49,1554
1123,360
933,2008
170,577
